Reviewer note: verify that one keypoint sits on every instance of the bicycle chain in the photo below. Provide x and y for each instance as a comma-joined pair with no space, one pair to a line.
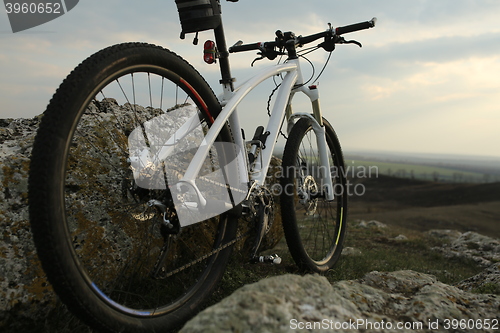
214,182
227,186
206,256
196,261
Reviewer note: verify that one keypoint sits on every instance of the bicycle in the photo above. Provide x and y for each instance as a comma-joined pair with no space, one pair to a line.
139,175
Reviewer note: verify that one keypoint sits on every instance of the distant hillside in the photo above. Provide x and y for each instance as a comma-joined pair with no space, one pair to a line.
422,205
445,168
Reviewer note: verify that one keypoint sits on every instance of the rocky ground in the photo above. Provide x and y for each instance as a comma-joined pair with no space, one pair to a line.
400,301
380,302
278,304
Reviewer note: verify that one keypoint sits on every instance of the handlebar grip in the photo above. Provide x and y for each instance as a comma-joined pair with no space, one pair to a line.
355,27
244,47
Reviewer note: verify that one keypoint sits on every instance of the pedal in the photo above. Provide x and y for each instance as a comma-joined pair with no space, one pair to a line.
272,259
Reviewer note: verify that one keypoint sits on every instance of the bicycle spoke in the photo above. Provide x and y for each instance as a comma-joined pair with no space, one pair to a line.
100,153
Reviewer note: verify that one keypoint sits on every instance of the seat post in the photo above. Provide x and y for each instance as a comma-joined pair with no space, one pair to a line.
220,39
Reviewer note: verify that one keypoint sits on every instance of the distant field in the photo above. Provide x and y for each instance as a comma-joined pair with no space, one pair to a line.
428,167
417,171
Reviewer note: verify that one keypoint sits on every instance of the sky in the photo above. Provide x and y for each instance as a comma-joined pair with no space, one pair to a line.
427,79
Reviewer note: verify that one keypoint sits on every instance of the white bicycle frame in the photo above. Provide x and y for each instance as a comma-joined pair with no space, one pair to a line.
292,83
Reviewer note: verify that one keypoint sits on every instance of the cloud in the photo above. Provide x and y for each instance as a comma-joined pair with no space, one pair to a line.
425,61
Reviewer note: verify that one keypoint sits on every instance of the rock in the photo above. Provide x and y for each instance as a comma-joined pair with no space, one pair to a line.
372,224
482,249
478,247
400,238
402,282
378,302
24,291
488,281
447,235
269,305
351,251
376,224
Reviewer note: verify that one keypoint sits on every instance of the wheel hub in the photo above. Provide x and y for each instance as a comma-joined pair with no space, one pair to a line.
308,195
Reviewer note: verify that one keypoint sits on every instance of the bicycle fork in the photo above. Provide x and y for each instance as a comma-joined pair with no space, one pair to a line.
320,133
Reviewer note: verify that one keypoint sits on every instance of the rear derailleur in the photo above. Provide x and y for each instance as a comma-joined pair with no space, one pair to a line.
259,209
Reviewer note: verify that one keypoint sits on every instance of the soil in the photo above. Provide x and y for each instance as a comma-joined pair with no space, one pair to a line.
422,206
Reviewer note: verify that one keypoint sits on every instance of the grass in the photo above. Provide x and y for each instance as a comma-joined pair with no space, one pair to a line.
378,252
488,288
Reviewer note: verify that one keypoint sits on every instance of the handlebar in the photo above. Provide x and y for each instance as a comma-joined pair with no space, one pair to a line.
356,27
240,47
302,40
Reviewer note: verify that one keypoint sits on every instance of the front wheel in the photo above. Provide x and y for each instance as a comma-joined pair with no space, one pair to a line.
314,227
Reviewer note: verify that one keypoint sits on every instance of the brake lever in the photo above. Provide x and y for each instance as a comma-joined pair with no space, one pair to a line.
266,53
257,59
352,42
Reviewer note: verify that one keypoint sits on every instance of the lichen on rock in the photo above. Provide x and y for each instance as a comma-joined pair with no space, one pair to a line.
293,303
24,291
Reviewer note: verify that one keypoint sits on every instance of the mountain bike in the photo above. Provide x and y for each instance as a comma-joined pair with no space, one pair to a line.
140,175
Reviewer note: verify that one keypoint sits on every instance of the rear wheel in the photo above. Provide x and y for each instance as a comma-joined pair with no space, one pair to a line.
112,246
314,227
